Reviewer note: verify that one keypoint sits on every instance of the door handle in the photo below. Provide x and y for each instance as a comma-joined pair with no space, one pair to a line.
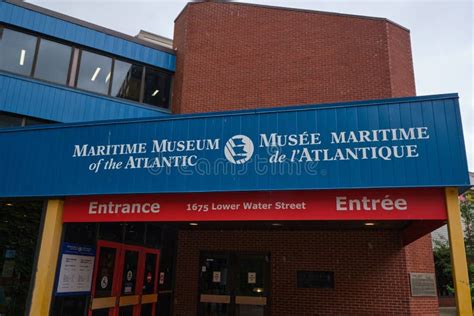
211,298
103,302
149,298
129,300
251,300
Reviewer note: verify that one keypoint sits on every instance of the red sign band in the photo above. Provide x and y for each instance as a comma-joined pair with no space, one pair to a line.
388,204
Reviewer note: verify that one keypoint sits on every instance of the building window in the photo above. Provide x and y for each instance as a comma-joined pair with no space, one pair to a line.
9,120
94,72
17,51
19,229
127,80
30,121
157,88
53,62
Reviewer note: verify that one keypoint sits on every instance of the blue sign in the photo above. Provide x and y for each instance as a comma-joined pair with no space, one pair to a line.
408,142
75,270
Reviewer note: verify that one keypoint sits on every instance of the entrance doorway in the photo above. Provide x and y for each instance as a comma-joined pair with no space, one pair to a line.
125,280
233,284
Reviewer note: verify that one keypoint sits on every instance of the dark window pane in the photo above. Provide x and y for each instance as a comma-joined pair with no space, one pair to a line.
134,233
127,80
70,305
34,121
153,235
105,272
94,72
111,231
130,268
53,62
149,273
16,51
19,228
213,274
9,120
80,233
157,88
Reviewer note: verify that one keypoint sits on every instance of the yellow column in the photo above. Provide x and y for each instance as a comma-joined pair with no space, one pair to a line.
47,259
458,254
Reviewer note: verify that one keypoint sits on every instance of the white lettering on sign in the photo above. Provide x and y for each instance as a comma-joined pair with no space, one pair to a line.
109,150
380,135
96,208
166,145
369,204
302,147
303,139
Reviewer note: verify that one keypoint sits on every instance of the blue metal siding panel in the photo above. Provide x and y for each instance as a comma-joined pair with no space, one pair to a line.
56,103
38,22
42,156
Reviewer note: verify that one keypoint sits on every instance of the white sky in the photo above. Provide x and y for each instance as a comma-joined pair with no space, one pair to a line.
441,35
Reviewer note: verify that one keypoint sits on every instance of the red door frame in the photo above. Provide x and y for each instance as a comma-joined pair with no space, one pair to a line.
138,279
118,273
157,270
115,285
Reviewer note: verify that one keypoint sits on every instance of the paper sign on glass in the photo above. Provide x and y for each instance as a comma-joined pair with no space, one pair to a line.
252,278
216,276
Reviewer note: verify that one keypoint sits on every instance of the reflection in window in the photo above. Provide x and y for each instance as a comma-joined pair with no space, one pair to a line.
127,81
94,72
17,51
53,62
157,88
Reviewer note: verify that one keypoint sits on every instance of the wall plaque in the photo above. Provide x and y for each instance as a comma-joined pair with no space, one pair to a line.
423,284
315,279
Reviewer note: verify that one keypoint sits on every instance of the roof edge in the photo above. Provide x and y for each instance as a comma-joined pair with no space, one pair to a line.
89,25
243,112
298,10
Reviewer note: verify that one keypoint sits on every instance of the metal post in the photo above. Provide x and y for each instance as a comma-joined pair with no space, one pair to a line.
458,254
47,259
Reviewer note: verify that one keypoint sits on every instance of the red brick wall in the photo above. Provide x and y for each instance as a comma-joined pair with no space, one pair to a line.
234,56
369,266
419,258
401,63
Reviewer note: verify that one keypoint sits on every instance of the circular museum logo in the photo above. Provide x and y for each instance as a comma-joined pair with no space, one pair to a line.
239,149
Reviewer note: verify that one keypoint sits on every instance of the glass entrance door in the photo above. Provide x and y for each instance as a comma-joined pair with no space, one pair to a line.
233,284
150,282
252,285
130,263
125,280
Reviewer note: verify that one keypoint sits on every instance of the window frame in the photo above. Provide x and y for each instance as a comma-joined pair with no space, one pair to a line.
142,100
19,30
35,61
76,64
79,60
142,84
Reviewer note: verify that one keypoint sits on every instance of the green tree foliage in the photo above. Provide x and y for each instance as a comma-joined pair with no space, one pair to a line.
442,254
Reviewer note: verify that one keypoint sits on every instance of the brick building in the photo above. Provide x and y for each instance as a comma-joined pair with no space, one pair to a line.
233,56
